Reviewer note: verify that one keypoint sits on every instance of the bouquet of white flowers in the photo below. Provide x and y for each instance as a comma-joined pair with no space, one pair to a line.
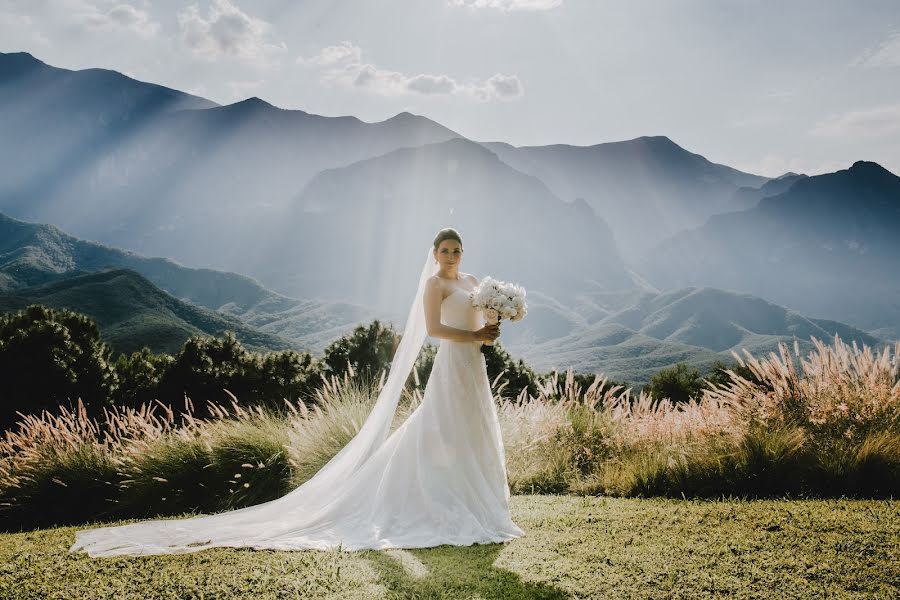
499,300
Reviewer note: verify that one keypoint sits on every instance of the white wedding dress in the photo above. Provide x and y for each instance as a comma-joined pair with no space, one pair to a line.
439,478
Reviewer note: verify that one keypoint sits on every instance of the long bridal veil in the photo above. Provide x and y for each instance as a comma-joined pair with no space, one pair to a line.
251,524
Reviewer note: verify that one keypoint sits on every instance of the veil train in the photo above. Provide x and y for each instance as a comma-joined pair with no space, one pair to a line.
243,526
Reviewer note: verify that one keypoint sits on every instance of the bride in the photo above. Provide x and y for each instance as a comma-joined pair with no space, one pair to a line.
439,478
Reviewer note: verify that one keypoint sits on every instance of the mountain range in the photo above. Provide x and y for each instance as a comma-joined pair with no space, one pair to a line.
358,217
628,335
826,246
646,188
34,257
697,326
133,313
634,253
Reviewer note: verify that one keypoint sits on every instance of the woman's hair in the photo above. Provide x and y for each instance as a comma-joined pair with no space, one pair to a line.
448,233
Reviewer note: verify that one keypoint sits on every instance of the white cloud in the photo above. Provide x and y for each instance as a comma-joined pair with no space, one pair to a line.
881,121
345,52
505,86
886,54
122,16
228,31
100,15
345,66
509,5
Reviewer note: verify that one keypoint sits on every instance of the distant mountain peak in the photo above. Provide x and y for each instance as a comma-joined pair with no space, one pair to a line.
661,139
405,115
408,118
254,101
18,62
22,56
256,106
868,168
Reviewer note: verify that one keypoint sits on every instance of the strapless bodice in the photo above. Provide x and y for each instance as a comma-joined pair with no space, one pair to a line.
457,311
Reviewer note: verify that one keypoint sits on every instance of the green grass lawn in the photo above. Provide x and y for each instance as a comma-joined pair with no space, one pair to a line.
574,547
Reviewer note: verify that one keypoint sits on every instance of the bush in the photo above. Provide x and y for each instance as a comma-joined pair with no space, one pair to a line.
226,464
515,376
367,351
825,425
422,368
206,367
140,376
679,383
50,357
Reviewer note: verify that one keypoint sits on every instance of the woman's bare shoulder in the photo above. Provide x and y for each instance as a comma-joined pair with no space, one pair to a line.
470,277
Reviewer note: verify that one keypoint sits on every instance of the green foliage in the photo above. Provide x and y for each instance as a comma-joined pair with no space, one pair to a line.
206,367
237,463
369,350
516,374
765,461
50,357
140,375
679,383
74,485
573,548
366,351
422,367
133,313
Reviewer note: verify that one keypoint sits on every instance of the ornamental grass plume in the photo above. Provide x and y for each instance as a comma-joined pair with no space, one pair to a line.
845,400
839,390
826,424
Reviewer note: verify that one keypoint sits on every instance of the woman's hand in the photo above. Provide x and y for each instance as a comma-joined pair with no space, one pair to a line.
488,333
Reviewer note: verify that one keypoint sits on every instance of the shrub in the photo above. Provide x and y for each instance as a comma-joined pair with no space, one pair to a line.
830,426
49,357
140,376
236,459
367,351
216,370
511,377
679,383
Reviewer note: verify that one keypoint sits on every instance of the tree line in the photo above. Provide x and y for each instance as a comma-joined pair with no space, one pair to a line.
53,356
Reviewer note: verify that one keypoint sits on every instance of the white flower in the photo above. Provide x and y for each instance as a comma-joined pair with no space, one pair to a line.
499,299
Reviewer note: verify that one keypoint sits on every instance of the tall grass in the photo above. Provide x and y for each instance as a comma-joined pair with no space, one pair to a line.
827,424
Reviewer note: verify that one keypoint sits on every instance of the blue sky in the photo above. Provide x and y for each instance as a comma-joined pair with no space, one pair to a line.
766,87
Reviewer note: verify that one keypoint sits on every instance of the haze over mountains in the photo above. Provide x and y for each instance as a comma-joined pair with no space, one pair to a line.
828,245
646,188
359,218
634,253
628,334
149,173
694,325
34,257
133,313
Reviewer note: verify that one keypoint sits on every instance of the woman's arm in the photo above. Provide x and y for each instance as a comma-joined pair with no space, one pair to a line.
432,300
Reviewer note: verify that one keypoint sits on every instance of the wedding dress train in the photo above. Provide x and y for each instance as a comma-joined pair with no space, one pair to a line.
439,478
